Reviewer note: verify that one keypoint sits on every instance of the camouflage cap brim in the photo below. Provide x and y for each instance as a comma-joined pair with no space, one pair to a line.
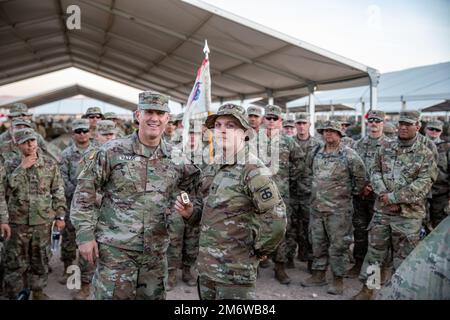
157,107
25,139
408,120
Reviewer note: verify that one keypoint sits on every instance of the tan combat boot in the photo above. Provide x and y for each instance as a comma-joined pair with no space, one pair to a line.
364,294
172,279
280,274
317,279
83,293
355,270
337,287
40,295
187,277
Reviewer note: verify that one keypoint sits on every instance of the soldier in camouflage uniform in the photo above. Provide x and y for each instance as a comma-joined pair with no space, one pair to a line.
441,188
402,175
338,174
117,121
94,115
425,272
389,130
301,205
285,159
345,140
5,230
255,117
170,128
17,111
71,158
289,128
35,196
363,204
242,214
127,234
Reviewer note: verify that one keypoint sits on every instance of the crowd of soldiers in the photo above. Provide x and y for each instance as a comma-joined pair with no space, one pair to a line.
244,190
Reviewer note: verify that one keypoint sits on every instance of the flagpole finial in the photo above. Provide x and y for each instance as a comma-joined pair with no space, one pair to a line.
206,49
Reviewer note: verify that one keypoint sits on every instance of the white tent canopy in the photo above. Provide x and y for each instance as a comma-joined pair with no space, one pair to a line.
158,45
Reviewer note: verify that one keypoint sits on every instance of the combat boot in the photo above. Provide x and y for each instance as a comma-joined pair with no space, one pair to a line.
280,274
40,295
355,270
290,264
337,287
83,293
364,294
63,279
317,279
385,274
309,266
264,263
172,279
187,277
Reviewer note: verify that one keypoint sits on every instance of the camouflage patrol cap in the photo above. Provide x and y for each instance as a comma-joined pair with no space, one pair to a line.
21,122
255,111
332,125
302,117
178,117
80,124
106,127
272,110
435,125
288,123
18,109
389,128
23,135
409,116
110,116
376,114
93,110
149,100
229,109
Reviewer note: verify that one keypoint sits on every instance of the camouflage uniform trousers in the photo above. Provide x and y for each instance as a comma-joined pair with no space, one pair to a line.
26,264
129,275
300,222
393,232
213,290
2,265
438,203
329,237
287,248
175,228
190,244
363,212
69,253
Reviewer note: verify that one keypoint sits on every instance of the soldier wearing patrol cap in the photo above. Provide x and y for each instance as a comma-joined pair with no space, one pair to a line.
366,148
441,188
94,115
285,158
390,130
127,233
106,131
35,196
402,175
301,207
255,117
170,128
232,244
118,122
289,128
337,174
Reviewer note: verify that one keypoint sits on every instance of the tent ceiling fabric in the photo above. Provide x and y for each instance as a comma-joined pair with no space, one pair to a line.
158,45
67,92
323,108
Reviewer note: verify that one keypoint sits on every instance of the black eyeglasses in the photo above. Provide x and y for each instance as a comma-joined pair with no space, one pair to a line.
374,120
93,116
272,118
80,131
434,129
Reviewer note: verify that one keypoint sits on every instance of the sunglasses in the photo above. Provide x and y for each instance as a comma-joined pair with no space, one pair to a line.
272,118
434,129
80,131
95,117
374,120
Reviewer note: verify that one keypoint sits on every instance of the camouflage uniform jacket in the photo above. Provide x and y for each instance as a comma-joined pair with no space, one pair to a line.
405,174
243,217
70,160
137,185
34,195
366,148
336,177
442,184
3,206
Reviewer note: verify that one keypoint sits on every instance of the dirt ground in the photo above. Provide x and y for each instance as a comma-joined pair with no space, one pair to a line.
267,287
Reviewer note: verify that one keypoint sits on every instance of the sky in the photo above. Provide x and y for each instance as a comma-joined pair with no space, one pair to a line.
386,35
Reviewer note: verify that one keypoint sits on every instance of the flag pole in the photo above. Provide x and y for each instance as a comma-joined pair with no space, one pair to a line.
210,137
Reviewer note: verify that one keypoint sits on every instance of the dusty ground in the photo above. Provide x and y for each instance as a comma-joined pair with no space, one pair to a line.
267,287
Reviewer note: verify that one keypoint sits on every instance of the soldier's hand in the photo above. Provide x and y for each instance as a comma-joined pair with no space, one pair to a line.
89,251
28,161
60,224
185,210
5,231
